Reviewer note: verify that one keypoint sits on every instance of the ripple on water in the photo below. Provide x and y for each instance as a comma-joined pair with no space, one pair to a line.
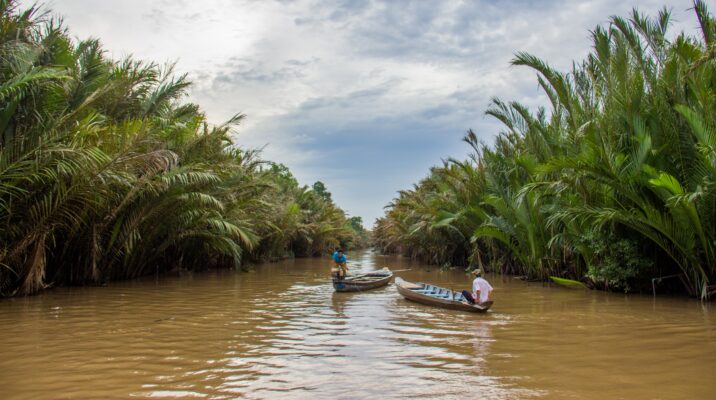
281,332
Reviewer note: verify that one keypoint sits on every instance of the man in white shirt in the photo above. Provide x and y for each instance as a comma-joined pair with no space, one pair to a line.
481,289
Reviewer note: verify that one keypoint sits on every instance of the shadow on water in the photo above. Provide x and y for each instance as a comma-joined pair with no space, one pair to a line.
280,331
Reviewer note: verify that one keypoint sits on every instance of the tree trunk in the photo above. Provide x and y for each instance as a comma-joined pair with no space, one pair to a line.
34,277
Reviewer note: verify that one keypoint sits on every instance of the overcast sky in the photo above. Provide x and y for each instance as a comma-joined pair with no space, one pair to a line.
362,95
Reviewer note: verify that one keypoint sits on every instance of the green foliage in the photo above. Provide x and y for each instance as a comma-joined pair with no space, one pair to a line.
320,189
627,149
614,263
302,222
356,224
360,236
105,173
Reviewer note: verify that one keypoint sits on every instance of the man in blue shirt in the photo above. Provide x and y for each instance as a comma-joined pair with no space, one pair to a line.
340,259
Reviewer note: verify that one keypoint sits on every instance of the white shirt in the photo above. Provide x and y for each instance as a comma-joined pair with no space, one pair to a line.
483,286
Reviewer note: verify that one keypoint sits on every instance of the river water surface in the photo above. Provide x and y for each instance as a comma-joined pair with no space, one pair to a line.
280,331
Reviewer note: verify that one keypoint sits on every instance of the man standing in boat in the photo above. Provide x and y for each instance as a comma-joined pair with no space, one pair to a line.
481,289
340,259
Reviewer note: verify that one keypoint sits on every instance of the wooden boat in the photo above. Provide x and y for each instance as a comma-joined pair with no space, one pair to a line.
359,283
438,297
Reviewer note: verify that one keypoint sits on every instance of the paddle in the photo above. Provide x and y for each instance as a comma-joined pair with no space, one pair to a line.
353,277
379,270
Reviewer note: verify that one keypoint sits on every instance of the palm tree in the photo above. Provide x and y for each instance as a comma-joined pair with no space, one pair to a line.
625,154
106,174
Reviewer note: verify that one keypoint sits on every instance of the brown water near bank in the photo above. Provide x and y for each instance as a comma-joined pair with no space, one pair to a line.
280,332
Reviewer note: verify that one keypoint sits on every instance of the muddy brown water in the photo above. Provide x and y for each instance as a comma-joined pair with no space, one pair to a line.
280,331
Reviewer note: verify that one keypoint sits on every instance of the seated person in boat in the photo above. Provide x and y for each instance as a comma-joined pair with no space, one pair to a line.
340,259
481,289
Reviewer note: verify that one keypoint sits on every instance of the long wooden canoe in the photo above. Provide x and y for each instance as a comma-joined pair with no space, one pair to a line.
438,297
359,283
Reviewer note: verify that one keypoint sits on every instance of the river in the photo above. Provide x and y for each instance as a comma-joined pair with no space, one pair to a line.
279,331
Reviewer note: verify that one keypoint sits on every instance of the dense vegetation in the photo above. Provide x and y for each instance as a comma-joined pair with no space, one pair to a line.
614,184
106,173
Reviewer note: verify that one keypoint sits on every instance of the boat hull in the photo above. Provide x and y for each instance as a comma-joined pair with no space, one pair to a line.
362,283
408,290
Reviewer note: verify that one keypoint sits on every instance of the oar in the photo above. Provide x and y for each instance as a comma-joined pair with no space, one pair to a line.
354,277
372,272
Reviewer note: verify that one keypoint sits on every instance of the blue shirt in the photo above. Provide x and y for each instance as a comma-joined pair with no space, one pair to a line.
339,259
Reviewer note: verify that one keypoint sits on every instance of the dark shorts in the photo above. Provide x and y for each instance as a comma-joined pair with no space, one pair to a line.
468,296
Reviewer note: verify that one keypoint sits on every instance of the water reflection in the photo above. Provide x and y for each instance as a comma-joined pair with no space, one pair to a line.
481,339
339,302
281,332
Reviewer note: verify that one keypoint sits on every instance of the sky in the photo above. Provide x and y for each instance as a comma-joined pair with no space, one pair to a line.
364,96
